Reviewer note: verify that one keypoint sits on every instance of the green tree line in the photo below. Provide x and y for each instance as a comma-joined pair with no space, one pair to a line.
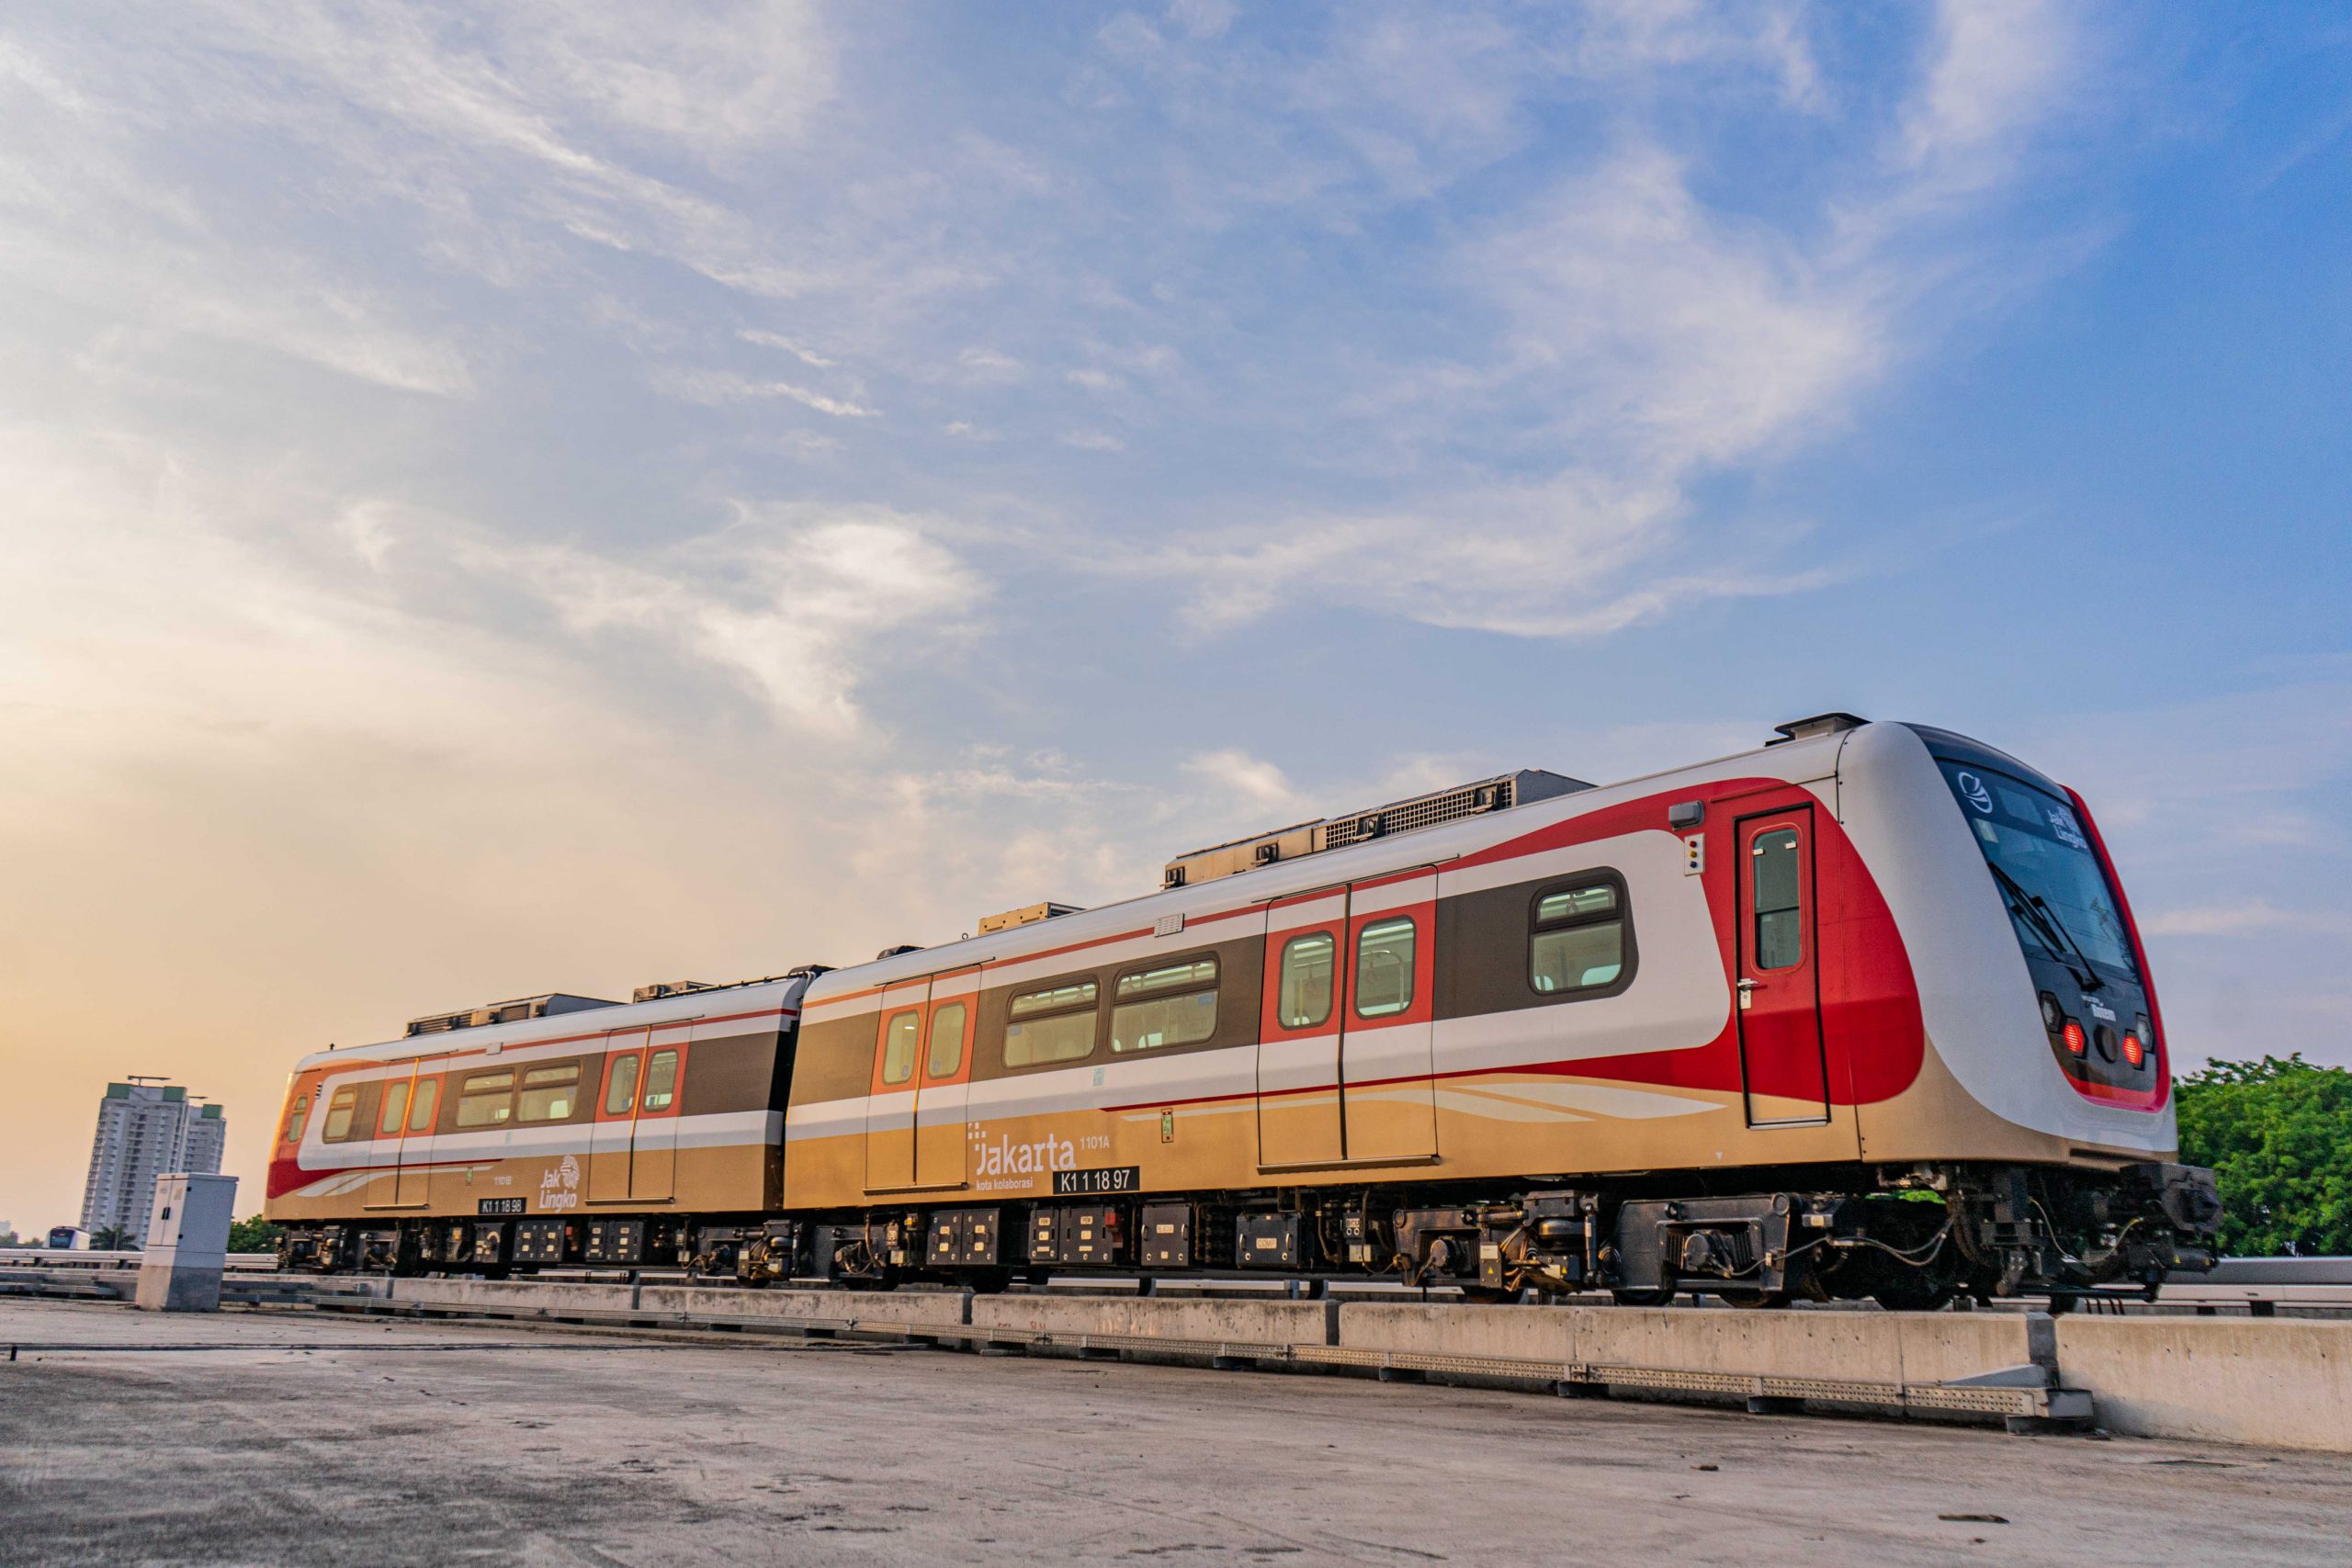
2278,1132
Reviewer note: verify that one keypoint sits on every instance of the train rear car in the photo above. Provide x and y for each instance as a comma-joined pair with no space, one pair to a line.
549,1130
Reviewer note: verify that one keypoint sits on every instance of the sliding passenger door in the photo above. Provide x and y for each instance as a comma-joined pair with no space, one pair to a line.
413,1187
891,1096
653,1146
1387,1095
1298,1032
943,1099
609,1135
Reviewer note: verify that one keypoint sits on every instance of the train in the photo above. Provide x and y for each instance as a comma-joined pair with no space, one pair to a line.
1859,1013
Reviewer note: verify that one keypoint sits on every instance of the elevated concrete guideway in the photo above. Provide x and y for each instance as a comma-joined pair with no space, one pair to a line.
284,1437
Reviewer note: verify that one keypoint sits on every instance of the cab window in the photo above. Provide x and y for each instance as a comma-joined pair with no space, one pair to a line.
337,1127
296,1117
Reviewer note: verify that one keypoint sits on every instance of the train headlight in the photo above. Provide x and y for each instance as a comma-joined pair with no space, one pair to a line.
2077,1041
2051,1017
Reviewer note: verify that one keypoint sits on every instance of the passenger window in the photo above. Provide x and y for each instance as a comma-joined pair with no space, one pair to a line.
487,1100
899,1046
1056,1024
428,1100
1385,968
1170,1004
620,1089
1304,998
549,1093
339,1110
296,1117
1780,924
946,1041
395,1106
1578,942
660,1081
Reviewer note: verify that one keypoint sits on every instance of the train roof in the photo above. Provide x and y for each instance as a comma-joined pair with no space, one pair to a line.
741,996
1810,753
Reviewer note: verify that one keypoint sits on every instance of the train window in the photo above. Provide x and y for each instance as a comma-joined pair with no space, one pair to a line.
898,1038
1169,1004
660,1081
1055,1024
1578,941
620,1090
548,1093
1304,999
946,1041
487,1100
1385,968
296,1117
1780,924
395,1106
338,1122
428,1100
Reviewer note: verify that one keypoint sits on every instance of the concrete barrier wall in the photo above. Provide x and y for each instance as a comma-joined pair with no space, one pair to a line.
2280,1383
1256,1323
552,1297
1881,1347
897,1307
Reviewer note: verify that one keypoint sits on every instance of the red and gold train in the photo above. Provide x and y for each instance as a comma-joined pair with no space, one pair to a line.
1862,1012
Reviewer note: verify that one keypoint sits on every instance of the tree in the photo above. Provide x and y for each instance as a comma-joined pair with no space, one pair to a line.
2279,1135
111,1238
254,1235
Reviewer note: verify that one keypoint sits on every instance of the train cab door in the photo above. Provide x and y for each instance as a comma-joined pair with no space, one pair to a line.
890,1096
944,1090
1387,1096
1785,1074
1298,1032
654,1143
412,1186
615,1127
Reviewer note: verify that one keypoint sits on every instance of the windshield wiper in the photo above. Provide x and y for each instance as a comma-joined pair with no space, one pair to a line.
2032,909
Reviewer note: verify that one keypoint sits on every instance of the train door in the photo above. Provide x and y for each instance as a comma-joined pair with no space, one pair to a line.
1298,1032
1387,1096
1786,1078
891,1096
653,1145
615,1126
943,1091
412,1186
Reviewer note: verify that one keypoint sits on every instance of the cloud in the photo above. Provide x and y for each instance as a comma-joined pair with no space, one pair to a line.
714,389
777,341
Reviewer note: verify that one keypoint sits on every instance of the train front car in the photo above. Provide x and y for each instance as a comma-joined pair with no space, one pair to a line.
2040,1113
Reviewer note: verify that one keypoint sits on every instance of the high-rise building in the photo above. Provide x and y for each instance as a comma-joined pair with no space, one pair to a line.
145,1128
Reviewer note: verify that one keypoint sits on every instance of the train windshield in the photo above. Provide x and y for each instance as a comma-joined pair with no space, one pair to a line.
2057,891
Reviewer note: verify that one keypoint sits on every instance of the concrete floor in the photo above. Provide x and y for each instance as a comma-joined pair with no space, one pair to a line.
288,1437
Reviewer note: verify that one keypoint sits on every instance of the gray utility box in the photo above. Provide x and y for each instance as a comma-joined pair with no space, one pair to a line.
188,1244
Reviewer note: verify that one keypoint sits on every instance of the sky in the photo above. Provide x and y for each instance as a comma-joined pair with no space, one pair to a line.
570,494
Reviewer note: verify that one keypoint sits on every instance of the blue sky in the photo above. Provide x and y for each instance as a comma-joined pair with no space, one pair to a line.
579,494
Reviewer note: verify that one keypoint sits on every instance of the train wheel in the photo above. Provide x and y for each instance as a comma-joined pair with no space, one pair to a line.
1751,1301
1657,1298
1489,1296
1917,1293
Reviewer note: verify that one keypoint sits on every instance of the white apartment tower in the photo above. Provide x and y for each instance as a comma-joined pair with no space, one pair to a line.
146,1128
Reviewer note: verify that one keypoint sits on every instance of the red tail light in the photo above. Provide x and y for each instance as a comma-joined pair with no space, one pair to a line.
2077,1041
2133,1051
